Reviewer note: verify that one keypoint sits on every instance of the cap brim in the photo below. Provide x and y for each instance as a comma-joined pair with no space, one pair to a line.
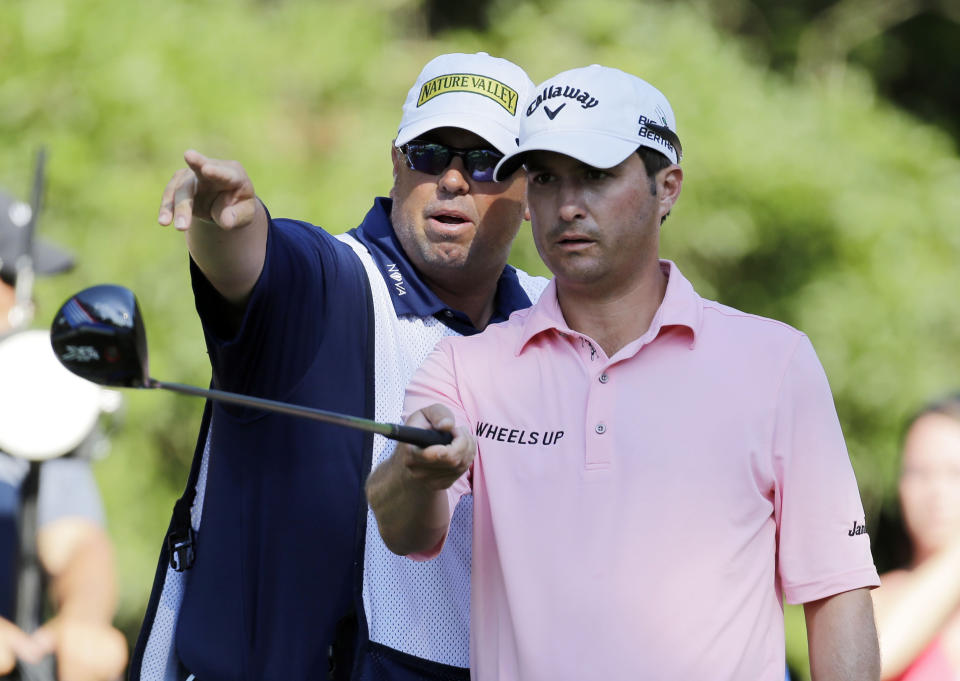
599,151
50,259
505,141
47,259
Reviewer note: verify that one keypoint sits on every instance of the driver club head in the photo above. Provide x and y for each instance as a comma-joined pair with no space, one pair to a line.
98,334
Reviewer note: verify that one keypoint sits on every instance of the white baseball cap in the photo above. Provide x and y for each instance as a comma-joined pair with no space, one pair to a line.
475,92
595,114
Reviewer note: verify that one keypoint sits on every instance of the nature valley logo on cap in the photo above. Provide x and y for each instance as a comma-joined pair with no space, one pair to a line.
468,82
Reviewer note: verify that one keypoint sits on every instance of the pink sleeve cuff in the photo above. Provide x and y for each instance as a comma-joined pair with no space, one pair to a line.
865,577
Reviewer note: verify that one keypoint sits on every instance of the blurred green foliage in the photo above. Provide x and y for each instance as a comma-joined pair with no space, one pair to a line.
813,202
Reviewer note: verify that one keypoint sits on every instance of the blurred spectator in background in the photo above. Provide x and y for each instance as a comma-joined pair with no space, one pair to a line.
52,533
918,607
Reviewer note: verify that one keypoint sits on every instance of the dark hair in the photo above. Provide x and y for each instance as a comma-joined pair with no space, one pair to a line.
653,161
948,405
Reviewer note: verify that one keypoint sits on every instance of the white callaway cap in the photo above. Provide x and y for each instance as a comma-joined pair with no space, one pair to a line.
476,92
597,115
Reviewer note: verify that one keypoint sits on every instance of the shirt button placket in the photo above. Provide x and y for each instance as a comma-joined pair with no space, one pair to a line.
600,454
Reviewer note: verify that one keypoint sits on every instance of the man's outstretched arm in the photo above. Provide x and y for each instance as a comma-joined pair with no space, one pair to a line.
408,491
214,202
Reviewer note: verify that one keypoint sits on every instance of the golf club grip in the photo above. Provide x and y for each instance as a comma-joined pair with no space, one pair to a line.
420,436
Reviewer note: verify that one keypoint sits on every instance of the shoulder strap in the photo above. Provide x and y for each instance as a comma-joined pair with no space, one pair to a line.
174,554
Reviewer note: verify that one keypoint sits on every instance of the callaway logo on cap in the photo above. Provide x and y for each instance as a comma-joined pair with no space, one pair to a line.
597,115
476,92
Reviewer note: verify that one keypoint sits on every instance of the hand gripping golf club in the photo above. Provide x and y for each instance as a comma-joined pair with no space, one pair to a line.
99,335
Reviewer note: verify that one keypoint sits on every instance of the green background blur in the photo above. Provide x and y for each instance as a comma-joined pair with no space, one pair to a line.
807,196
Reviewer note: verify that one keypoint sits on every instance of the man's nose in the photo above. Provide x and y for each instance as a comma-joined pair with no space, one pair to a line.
453,179
572,204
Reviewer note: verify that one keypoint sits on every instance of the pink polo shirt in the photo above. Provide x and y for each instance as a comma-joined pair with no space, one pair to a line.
641,516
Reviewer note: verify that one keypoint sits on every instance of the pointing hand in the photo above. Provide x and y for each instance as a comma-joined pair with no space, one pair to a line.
208,189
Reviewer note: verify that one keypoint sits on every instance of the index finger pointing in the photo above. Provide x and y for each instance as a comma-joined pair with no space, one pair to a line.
195,159
223,173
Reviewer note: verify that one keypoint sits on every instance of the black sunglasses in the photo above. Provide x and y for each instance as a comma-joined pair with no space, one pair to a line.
433,158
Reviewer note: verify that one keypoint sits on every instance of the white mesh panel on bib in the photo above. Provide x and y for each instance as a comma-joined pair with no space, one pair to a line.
420,608
159,661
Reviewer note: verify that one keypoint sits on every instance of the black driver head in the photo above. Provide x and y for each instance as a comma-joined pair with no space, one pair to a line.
98,334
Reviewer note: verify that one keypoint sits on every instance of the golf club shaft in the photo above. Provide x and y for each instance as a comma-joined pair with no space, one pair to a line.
415,436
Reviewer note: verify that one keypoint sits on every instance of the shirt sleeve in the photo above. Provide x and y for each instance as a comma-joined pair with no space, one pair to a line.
823,547
435,382
306,272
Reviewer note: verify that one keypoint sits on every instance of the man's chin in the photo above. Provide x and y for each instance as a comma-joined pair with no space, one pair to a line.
446,259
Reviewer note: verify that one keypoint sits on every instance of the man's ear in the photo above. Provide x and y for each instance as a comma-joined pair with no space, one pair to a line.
395,156
669,183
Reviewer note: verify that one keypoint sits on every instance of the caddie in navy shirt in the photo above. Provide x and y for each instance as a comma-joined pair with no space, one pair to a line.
273,560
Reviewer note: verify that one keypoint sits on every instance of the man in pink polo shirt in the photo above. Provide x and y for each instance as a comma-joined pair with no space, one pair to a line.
652,472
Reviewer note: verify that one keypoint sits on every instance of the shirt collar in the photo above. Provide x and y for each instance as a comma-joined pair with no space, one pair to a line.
681,306
409,293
